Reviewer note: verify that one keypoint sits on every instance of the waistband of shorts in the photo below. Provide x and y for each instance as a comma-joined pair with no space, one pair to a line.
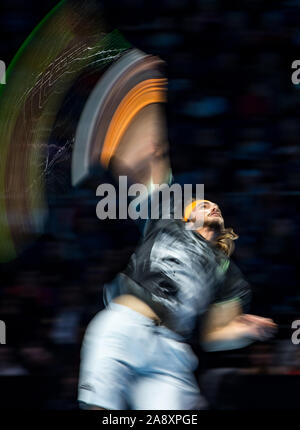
125,309
159,329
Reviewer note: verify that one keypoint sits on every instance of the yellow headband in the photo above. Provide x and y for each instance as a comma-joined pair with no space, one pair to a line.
190,207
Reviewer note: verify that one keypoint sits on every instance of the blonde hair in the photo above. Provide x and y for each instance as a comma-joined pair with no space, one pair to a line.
225,241
226,238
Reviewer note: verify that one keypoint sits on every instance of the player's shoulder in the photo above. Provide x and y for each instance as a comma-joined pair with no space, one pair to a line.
173,234
170,226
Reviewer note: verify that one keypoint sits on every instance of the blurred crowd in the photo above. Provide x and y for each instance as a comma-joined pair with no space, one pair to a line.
233,125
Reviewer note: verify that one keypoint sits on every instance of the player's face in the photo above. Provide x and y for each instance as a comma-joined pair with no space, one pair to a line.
209,214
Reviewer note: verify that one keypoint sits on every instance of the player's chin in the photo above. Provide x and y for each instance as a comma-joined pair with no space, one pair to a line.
216,221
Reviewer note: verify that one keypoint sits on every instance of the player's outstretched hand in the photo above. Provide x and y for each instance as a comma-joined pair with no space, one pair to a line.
258,328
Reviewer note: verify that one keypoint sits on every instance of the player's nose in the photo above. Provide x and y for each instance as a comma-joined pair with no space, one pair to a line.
214,206
215,209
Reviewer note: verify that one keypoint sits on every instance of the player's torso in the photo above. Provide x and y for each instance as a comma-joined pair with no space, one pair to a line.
177,273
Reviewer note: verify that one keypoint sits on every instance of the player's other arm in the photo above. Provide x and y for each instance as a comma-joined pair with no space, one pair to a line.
227,327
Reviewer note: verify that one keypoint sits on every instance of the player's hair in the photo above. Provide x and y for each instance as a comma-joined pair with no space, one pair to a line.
225,241
226,237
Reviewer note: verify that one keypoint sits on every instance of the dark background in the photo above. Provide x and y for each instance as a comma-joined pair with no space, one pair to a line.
233,125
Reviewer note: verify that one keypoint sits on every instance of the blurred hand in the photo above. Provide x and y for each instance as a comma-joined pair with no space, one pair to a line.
257,328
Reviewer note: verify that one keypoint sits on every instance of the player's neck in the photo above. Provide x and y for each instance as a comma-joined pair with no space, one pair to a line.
208,233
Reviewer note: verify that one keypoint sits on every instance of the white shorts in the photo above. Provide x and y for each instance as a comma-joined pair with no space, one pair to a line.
128,362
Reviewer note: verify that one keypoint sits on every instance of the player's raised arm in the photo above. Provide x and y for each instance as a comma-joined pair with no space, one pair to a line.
122,128
143,153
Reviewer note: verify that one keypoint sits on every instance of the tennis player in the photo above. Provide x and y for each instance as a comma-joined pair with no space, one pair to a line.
136,353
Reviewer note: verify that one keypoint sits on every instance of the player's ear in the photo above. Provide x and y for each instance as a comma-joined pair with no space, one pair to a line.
192,217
